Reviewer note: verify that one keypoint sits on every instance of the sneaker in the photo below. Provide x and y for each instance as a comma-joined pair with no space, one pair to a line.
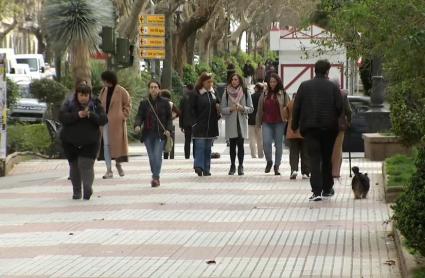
276,170
268,167
315,198
232,170
328,194
120,170
294,175
206,174
198,171
306,176
240,170
108,175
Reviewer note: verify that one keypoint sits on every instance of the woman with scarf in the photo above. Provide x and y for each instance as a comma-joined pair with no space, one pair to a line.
236,104
272,116
154,114
81,117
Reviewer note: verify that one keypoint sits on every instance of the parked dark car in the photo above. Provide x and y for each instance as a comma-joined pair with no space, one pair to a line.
353,140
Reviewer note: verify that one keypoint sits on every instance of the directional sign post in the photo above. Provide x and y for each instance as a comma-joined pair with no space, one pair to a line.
152,37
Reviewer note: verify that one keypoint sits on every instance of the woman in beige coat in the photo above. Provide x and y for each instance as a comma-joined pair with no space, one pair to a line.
117,103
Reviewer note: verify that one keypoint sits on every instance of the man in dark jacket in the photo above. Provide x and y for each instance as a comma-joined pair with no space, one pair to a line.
318,104
185,120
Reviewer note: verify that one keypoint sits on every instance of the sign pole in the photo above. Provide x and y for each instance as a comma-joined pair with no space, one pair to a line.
153,63
3,107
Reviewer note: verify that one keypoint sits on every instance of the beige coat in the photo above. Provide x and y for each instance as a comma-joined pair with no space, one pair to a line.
119,111
283,100
290,134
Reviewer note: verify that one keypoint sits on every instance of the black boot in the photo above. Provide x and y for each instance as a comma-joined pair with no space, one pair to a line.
198,171
268,166
232,170
276,170
240,170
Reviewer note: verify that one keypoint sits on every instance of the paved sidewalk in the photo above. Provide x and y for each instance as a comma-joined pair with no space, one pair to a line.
258,225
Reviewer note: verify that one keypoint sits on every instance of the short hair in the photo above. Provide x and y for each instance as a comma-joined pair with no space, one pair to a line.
322,67
189,87
110,77
279,83
166,93
154,81
83,89
202,78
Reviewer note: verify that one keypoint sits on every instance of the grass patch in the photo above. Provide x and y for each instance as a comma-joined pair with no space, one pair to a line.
420,273
28,137
400,169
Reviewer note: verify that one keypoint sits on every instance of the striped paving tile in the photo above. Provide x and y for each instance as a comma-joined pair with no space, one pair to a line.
258,225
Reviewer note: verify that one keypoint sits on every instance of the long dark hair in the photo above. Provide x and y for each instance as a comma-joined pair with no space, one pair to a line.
279,86
202,78
241,82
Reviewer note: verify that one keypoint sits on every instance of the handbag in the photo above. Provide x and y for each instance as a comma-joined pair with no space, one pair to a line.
168,147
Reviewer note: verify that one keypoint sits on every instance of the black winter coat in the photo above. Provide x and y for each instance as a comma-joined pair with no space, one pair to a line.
185,119
145,114
205,114
318,105
78,131
255,98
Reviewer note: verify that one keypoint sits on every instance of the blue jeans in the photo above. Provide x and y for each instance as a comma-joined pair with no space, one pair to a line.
155,147
107,147
273,133
203,154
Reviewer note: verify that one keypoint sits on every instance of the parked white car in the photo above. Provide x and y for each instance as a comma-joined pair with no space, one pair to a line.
28,108
35,62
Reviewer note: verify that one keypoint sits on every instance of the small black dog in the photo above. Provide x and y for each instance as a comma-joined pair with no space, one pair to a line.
360,184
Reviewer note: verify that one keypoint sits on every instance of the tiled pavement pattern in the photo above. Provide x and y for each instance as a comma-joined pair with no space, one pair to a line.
253,226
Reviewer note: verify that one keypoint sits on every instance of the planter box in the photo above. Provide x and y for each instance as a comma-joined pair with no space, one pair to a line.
11,160
391,193
378,146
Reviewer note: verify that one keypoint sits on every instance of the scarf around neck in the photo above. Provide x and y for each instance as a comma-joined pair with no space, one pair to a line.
235,94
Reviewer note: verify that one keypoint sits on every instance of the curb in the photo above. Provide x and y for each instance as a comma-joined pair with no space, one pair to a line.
11,160
391,193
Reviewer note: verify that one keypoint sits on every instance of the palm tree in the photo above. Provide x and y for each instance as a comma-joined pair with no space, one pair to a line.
74,25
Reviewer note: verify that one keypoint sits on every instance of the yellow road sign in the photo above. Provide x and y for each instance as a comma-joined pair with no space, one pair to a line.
152,42
158,31
152,53
158,19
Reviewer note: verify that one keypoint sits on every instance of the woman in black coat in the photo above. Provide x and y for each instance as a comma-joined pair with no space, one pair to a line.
204,106
81,117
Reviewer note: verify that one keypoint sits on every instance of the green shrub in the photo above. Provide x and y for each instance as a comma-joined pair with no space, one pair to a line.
409,210
136,85
218,67
68,81
200,68
12,92
420,273
33,138
97,67
400,169
49,91
178,86
189,75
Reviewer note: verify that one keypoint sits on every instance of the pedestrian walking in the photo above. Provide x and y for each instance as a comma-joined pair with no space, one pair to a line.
272,117
344,122
297,148
236,105
154,123
117,103
205,114
317,107
81,117
175,113
248,72
260,73
254,133
185,119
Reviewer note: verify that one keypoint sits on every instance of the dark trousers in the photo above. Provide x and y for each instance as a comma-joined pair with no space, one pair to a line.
237,142
187,141
82,172
320,143
297,150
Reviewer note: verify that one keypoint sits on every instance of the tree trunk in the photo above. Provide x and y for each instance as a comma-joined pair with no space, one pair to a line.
128,27
80,60
58,65
190,49
167,72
